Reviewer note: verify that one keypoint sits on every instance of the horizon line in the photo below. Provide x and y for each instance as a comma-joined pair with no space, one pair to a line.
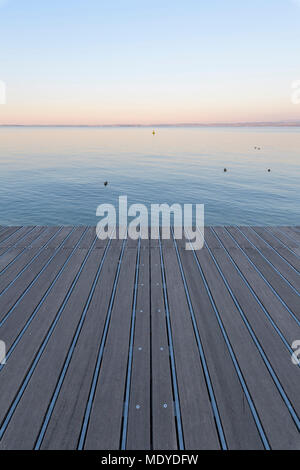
291,123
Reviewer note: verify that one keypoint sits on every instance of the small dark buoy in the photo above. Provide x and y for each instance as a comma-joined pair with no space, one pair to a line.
269,170
225,169
105,183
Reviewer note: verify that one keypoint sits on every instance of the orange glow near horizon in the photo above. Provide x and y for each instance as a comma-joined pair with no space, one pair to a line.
110,63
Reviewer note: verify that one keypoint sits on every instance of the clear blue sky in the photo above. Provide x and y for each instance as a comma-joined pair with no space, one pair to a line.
108,62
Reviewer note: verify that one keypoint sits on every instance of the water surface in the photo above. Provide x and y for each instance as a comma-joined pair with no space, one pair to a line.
56,175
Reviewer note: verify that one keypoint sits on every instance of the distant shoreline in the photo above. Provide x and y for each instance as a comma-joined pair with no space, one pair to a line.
157,125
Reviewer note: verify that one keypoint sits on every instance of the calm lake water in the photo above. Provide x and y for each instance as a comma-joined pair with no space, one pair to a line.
56,175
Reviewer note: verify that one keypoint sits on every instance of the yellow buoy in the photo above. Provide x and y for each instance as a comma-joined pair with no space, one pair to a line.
153,132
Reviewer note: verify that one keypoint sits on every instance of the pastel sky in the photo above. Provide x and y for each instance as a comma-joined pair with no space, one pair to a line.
159,61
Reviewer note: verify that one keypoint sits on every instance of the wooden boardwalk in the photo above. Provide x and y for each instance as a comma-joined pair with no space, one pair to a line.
145,345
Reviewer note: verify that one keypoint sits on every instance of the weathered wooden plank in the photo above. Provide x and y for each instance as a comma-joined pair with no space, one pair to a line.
16,289
16,236
24,426
107,408
7,232
42,240
198,423
7,256
16,285
59,301
14,372
154,237
100,243
88,238
163,418
72,240
277,262
139,419
292,232
31,237
19,262
24,257
267,236
63,430
277,311
282,288
276,351
290,257
237,420
23,310
274,415
285,239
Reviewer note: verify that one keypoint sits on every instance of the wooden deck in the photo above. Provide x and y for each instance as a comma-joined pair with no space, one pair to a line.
144,345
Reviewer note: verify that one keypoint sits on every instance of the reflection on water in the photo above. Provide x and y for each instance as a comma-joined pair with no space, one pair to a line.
56,175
